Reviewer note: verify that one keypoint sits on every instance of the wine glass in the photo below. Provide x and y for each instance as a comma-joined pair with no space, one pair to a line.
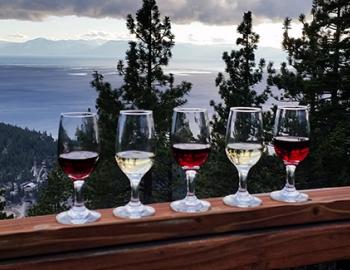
291,143
78,153
244,147
190,140
135,147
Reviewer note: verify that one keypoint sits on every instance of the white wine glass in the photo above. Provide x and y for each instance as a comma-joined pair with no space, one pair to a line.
190,139
244,147
291,143
135,147
78,153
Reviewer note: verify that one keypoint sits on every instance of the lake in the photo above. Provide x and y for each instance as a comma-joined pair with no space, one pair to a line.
34,91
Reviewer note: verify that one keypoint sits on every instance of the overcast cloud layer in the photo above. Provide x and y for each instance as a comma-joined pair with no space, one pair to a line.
180,11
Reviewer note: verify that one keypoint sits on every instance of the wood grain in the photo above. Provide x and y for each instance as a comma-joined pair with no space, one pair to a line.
42,235
263,249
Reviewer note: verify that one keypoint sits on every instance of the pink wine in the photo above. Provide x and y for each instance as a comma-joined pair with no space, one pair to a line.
191,155
290,149
78,165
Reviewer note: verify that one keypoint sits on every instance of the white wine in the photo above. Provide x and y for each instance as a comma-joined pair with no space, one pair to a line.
134,162
244,154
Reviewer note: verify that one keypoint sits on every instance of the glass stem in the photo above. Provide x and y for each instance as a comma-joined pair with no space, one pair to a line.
290,182
78,194
190,177
135,193
243,174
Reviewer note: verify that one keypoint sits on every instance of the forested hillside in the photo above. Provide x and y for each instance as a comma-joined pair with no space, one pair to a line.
19,149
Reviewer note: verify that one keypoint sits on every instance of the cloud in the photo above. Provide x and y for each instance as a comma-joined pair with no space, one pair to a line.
180,11
231,11
37,10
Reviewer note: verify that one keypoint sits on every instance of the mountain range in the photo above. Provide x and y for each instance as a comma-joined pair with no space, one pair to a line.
41,47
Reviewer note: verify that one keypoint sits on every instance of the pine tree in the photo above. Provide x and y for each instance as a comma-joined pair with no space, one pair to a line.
107,186
54,195
3,215
317,74
146,86
243,75
333,21
236,88
320,57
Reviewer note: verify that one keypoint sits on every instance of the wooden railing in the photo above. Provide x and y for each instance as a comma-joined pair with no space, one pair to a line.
272,236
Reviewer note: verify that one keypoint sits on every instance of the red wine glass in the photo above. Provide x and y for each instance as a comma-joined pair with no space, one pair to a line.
78,153
190,140
291,143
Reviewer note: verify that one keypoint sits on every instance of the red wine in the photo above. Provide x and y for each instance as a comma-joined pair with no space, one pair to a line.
191,155
291,150
78,165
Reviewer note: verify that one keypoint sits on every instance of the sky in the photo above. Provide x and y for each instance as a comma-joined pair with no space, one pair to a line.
194,21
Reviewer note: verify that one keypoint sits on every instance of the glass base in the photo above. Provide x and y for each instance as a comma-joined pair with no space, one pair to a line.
242,199
78,215
134,211
289,195
190,205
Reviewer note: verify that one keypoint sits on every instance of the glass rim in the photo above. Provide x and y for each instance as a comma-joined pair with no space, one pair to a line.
136,112
78,114
245,109
189,109
292,107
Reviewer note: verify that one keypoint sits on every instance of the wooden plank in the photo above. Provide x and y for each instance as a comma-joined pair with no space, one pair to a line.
42,235
262,249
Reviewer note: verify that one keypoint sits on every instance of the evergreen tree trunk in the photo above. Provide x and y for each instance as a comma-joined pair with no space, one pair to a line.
149,60
247,67
147,179
334,92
